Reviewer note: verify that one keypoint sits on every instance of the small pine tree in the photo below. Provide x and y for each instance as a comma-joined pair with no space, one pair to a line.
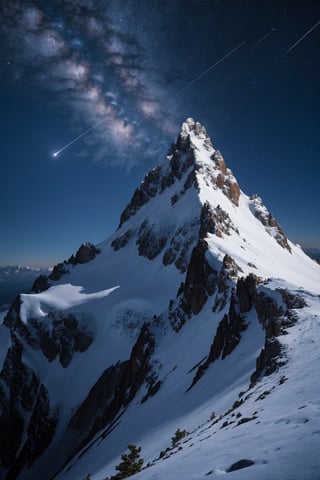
178,436
131,463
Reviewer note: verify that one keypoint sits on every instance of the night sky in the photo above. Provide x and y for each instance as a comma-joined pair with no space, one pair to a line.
141,67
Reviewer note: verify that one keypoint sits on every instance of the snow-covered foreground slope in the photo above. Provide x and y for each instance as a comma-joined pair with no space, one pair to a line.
281,430
198,314
275,424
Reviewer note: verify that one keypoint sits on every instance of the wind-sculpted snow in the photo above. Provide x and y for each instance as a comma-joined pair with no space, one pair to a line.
197,315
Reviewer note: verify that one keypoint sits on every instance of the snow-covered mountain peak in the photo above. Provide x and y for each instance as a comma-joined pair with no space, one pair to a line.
102,346
191,129
190,161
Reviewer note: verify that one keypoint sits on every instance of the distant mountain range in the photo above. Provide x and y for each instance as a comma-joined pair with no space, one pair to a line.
15,279
192,332
313,253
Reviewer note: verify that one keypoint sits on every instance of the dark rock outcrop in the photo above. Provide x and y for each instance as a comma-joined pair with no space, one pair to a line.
121,242
227,276
181,157
274,319
244,463
269,314
291,300
148,189
40,284
215,221
86,252
150,242
230,328
268,359
40,431
58,271
200,283
246,292
63,338
114,390
200,279
180,247
60,335
27,420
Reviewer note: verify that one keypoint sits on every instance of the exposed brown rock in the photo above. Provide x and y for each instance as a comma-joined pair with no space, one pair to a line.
231,326
219,181
269,314
215,221
219,161
114,390
199,282
227,337
228,273
181,157
267,362
232,190
272,318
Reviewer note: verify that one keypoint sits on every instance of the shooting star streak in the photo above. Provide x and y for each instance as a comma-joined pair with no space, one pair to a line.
208,69
55,154
262,38
300,39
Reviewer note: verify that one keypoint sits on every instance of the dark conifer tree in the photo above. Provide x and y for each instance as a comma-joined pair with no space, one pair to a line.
131,463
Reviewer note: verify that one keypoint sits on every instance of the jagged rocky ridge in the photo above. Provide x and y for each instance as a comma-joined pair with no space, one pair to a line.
172,229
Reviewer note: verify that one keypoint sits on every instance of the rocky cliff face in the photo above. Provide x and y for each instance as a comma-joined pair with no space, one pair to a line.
28,417
114,390
86,252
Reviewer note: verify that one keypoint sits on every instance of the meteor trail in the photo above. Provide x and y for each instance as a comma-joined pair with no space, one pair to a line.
262,38
300,39
208,69
55,154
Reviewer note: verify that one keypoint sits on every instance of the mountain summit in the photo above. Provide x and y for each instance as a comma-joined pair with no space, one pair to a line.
197,313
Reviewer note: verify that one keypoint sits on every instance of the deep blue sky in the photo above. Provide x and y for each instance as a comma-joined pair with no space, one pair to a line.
65,65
